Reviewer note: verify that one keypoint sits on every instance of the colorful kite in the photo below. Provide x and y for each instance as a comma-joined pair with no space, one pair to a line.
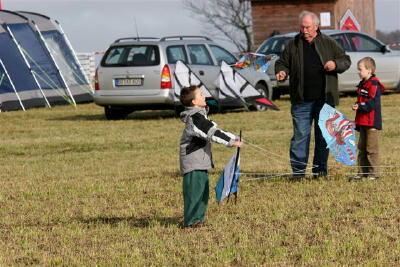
339,134
234,87
259,62
228,182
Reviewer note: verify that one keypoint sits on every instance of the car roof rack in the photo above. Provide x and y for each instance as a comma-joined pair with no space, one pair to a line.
181,37
135,39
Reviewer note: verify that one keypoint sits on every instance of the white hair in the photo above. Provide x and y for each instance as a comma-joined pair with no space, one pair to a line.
309,13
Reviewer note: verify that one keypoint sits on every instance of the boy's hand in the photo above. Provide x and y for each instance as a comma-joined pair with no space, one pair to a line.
238,144
354,107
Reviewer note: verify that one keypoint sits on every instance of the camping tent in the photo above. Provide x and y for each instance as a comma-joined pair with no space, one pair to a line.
63,54
30,75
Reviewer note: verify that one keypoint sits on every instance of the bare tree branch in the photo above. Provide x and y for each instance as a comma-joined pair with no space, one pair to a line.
231,19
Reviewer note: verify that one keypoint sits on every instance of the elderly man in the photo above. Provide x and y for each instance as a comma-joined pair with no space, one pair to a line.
312,61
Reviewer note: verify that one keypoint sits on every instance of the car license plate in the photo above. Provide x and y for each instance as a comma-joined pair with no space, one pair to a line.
129,82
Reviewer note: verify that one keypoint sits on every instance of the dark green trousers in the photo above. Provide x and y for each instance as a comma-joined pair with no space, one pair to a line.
195,196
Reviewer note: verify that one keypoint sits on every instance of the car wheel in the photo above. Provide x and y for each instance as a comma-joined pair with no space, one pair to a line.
115,113
264,92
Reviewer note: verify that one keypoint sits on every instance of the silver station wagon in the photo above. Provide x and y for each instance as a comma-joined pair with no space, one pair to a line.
357,45
137,73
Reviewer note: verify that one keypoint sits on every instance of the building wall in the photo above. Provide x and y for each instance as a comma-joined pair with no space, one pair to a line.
363,10
282,15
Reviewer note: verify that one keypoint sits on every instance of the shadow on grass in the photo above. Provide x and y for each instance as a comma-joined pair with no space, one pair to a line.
131,221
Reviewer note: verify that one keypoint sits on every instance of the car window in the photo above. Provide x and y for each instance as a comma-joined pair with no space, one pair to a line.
342,41
175,53
362,43
133,55
199,55
222,55
273,46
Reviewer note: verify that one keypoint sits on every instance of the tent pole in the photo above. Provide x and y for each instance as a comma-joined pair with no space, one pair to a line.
55,63
73,53
12,84
27,63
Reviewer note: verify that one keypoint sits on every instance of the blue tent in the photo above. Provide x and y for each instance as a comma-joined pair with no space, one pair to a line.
28,68
24,84
63,55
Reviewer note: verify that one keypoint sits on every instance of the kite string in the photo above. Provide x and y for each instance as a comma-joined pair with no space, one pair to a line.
300,171
297,171
347,166
285,173
294,169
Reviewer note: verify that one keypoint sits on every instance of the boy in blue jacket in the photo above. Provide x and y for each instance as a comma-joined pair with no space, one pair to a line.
195,154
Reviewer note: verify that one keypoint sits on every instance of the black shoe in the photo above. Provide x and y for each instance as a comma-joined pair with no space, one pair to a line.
319,175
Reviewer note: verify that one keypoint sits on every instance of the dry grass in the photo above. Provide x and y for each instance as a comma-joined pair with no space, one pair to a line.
76,189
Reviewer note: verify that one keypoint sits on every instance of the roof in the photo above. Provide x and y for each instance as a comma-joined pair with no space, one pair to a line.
186,39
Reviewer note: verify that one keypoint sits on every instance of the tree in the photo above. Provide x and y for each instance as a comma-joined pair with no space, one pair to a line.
390,38
232,18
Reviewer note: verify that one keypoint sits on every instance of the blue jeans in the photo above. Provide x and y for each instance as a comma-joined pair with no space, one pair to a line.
303,115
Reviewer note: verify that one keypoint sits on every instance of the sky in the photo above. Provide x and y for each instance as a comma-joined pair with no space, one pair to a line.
92,25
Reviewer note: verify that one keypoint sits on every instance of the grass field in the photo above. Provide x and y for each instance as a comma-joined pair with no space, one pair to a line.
76,189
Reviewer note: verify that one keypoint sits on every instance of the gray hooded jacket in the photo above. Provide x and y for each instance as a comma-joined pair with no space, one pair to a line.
195,143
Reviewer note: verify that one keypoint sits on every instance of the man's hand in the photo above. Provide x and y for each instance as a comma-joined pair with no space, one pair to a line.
281,76
330,65
354,107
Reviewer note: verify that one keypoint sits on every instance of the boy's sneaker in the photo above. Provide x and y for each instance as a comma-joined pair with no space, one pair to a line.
197,225
355,179
375,179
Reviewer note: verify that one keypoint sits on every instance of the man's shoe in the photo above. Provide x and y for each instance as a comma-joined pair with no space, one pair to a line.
355,179
319,175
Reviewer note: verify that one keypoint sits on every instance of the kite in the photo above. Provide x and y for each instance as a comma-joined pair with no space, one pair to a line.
338,133
234,87
185,77
259,62
228,182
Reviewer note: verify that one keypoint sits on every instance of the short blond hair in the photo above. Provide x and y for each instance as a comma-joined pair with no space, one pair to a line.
369,63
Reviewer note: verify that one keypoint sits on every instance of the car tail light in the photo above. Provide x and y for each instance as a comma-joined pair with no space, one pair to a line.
96,81
166,82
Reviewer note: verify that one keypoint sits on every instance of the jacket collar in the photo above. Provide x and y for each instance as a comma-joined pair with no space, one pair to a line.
363,82
299,36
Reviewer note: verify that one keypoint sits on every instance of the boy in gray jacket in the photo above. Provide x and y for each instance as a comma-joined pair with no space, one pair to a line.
195,154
